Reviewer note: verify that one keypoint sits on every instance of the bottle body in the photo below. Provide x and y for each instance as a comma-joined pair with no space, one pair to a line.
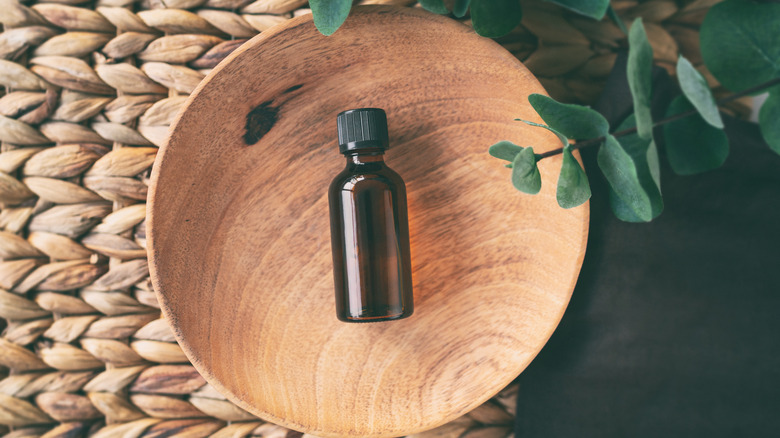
370,241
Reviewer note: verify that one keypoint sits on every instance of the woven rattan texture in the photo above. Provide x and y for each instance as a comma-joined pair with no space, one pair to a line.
89,91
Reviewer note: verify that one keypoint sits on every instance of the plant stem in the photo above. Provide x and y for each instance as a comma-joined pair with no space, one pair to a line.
599,140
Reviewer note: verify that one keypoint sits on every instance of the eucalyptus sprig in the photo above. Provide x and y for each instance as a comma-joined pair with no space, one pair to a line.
740,47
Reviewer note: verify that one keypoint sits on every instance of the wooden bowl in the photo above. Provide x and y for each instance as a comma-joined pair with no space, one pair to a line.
240,246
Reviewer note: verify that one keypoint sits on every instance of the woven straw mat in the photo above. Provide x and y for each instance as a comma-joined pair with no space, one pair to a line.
89,91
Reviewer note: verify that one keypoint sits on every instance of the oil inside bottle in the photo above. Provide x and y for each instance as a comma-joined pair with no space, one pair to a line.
369,228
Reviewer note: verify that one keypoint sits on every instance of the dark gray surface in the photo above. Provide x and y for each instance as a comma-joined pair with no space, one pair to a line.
673,328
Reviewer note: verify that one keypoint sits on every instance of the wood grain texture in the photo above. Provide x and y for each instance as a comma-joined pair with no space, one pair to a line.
240,246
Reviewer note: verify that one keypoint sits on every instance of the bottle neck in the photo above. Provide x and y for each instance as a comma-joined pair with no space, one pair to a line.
374,157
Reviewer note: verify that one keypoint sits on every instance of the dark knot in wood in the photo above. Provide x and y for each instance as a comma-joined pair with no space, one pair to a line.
259,121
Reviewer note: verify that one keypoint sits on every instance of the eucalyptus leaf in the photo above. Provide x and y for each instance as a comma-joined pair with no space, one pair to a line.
574,121
561,137
618,167
621,210
644,154
740,43
654,164
591,8
329,15
505,150
525,173
460,8
639,70
435,6
573,187
695,88
769,119
495,18
692,145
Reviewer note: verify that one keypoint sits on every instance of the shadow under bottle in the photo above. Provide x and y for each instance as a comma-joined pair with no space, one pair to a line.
369,225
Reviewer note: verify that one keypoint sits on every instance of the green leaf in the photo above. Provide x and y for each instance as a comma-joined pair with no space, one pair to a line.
639,69
573,186
740,43
695,88
769,119
495,18
435,6
574,121
621,173
525,173
505,150
621,210
616,18
460,8
591,8
644,154
561,137
654,164
329,14
692,145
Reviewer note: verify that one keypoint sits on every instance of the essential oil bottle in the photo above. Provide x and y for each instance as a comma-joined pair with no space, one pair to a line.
369,225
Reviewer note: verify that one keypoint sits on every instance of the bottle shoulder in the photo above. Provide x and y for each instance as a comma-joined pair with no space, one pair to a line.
356,179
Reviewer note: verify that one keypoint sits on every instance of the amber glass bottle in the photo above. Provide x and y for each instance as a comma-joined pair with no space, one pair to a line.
369,226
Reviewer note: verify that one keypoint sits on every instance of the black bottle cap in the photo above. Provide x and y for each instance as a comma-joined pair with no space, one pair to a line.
361,129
